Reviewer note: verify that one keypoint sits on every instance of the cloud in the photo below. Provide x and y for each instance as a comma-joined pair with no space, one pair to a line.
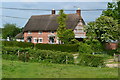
57,0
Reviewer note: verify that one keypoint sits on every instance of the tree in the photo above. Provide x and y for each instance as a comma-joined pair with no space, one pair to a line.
113,10
10,30
65,35
103,29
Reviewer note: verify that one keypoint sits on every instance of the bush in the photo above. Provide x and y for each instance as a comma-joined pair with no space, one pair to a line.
84,48
58,47
14,53
51,56
92,60
96,45
17,44
36,55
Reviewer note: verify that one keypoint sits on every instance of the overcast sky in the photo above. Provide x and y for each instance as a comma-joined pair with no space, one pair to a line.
87,15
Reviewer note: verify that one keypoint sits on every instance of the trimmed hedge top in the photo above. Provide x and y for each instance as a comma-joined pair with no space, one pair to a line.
54,47
17,44
58,47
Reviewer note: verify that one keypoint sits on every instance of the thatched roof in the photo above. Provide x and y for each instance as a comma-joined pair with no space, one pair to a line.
49,22
19,36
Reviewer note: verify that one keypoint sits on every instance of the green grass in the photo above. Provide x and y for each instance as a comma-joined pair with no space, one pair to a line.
17,69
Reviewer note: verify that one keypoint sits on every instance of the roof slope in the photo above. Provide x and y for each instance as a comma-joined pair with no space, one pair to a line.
49,22
19,36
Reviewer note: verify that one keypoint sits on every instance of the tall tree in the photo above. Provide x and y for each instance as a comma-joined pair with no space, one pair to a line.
104,29
10,30
113,10
65,35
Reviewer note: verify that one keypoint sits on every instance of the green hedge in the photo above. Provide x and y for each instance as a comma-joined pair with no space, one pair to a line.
17,44
35,55
58,47
92,60
85,48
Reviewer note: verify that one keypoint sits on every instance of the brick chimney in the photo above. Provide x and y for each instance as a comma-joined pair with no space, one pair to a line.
53,11
78,11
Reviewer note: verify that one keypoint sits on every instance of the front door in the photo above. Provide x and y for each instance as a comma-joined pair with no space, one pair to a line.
51,40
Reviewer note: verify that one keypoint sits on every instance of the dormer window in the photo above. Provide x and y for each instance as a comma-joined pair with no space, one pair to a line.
29,32
40,32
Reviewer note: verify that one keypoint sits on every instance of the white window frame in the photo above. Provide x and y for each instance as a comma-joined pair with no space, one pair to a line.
40,32
39,40
34,40
29,32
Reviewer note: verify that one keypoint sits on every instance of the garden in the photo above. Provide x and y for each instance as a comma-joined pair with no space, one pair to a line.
20,58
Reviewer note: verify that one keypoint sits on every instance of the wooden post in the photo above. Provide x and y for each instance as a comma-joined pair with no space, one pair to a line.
66,60
118,58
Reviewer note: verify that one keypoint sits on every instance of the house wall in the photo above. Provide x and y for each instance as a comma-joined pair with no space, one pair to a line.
79,30
111,46
44,36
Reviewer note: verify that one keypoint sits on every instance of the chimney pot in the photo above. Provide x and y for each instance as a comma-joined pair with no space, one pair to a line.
53,11
78,11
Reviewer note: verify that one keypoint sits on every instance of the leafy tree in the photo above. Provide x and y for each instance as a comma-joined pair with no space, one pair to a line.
10,30
113,10
103,29
65,35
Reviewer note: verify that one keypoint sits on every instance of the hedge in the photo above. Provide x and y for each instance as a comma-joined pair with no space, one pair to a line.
35,55
92,60
85,48
17,44
58,47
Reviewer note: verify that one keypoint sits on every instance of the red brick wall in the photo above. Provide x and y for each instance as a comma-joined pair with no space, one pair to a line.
111,46
44,35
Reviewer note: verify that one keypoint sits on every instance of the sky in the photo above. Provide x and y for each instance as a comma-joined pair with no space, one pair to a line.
26,14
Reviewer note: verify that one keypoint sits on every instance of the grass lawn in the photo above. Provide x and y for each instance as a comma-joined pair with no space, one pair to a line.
17,69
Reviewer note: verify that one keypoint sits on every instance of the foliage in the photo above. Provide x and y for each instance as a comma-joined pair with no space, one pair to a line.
34,55
96,46
84,48
113,10
92,60
103,29
10,30
65,35
17,44
58,47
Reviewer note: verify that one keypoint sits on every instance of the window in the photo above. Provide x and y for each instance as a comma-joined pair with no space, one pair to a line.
29,32
40,40
40,32
35,40
51,31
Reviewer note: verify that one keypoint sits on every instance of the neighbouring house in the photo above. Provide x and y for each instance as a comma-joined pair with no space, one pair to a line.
19,37
42,28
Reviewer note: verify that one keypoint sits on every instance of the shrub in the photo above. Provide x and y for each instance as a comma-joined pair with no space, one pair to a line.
84,48
51,56
92,60
58,47
17,44
36,55
11,53
96,45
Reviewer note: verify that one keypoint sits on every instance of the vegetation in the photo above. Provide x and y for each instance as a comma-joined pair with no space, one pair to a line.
65,35
17,69
103,29
85,48
17,44
10,30
35,55
57,47
95,45
113,10
92,60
